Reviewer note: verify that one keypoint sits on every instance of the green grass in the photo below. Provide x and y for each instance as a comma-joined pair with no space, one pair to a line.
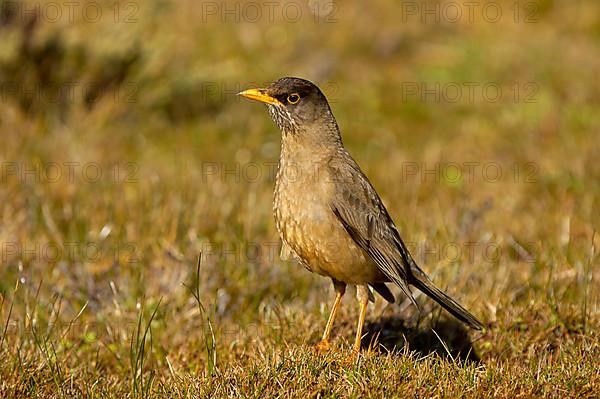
101,292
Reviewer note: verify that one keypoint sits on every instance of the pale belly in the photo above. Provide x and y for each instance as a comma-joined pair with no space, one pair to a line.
311,230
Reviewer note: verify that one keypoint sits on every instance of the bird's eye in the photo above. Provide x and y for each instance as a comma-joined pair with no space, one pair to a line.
293,98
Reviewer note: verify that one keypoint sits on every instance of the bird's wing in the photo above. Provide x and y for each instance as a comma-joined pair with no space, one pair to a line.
362,213
384,291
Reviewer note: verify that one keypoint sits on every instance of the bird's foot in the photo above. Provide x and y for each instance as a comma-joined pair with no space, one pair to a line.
351,358
323,346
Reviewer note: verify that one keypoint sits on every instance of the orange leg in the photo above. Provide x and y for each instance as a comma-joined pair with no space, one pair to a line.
362,293
340,289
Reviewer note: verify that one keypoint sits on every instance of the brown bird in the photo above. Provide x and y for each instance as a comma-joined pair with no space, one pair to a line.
328,214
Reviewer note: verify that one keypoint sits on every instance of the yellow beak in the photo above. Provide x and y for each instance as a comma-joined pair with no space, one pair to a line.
259,95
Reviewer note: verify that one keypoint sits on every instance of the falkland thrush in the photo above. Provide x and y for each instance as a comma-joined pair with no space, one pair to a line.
329,215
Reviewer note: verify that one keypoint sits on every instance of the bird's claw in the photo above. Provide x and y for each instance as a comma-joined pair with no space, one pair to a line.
323,346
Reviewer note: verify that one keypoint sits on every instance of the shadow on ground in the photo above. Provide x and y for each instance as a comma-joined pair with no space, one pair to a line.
391,334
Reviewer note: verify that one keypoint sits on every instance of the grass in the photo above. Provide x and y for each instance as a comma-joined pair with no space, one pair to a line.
102,291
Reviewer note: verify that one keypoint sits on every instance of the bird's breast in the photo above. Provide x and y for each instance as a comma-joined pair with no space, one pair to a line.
309,227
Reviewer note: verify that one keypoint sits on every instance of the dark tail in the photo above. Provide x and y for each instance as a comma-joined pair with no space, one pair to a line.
423,283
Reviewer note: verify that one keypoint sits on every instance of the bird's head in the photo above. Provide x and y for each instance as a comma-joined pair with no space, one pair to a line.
297,106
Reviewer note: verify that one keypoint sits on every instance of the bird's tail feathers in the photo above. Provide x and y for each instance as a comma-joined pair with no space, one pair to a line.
423,283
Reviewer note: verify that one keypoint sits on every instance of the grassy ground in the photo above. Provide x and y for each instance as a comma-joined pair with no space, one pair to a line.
113,186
